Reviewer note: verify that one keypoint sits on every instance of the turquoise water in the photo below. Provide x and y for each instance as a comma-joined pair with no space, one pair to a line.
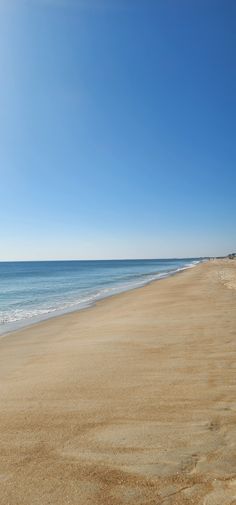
33,291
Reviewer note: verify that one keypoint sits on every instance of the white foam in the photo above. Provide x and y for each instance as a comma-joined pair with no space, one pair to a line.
18,318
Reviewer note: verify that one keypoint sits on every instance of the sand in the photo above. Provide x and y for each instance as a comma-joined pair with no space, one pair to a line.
130,402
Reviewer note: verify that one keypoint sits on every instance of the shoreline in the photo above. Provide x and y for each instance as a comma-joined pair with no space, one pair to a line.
92,304
130,402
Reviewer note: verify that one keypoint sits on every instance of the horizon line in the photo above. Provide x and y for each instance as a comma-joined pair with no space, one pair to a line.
113,259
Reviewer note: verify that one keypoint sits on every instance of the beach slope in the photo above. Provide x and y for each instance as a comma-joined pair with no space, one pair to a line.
132,401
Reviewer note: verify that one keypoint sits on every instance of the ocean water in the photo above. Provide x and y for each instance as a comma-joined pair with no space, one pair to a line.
33,291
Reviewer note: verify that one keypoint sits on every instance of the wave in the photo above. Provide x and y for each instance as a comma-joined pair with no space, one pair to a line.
19,317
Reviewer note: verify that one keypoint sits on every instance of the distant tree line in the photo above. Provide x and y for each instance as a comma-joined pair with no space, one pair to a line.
231,256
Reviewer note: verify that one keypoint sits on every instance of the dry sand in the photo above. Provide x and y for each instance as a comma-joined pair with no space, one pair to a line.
130,402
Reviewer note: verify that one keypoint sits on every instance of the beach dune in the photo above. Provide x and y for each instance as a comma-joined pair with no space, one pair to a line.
132,401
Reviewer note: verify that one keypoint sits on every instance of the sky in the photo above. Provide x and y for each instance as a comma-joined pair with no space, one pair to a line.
117,129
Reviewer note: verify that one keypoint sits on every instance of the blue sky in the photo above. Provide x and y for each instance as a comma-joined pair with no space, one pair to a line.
117,131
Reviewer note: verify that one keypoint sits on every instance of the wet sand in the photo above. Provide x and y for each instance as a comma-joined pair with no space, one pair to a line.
130,402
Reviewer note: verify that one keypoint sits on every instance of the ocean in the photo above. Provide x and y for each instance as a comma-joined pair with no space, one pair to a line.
37,290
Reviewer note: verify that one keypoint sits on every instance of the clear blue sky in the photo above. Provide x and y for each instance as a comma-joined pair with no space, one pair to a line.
118,130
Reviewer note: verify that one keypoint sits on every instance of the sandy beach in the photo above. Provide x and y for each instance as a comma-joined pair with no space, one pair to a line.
132,401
